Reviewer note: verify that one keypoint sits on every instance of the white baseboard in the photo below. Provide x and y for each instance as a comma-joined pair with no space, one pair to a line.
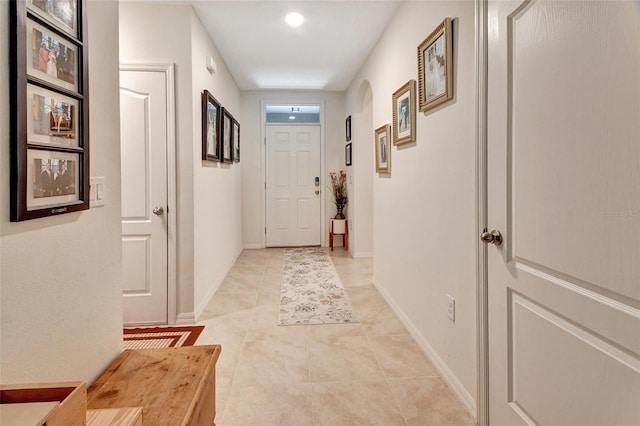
186,318
447,375
252,246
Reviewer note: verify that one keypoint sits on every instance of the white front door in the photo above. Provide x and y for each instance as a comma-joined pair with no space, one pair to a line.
293,198
564,191
143,118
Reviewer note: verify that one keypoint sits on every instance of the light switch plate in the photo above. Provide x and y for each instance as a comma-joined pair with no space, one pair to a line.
97,192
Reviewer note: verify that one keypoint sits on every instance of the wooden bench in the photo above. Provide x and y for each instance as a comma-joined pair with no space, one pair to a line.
174,386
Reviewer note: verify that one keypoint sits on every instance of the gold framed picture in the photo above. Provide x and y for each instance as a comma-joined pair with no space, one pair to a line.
383,149
435,71
404,114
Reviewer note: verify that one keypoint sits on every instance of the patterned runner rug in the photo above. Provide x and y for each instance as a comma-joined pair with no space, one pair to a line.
161,337
311,290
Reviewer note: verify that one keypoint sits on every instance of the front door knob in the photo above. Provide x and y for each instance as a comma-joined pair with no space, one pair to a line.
493,237
158,210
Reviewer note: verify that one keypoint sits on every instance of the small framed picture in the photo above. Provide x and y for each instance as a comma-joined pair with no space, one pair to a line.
210,127
52,118
404,114
383,149
236,141
347,155
61,13
435,70
225,134
51,57
53,179
348,128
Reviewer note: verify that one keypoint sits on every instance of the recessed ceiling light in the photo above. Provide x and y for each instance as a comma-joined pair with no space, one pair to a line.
292,117
294,19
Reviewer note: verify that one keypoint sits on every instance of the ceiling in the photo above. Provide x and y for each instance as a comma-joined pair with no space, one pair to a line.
324,53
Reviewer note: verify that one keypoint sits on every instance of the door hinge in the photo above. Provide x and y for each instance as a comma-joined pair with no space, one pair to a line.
265,185
265,230
265,140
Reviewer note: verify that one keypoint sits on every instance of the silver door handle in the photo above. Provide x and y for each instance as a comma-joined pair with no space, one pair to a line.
493,237
158,210
317,191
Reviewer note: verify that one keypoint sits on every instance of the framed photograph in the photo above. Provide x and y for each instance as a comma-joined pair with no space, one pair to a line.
383,149
347,155
211,111
404,114
49,108
225,134
236,141
435,70
348,128
53,179
61,13
51,57
52,118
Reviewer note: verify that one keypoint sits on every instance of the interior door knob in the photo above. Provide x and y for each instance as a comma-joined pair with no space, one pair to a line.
158,210
493,237
317,191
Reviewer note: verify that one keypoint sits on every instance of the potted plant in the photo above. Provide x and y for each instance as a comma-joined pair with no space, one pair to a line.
339,191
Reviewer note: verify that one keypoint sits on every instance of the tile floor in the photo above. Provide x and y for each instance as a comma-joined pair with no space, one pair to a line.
370,373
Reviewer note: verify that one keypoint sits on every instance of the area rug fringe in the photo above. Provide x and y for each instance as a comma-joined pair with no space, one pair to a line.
312,292
161,337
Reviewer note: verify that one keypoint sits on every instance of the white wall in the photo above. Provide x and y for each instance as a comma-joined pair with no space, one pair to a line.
253,160
61,308
424,213
217,210
209,201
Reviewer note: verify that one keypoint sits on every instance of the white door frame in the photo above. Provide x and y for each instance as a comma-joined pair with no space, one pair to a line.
482,300
263,165
172,210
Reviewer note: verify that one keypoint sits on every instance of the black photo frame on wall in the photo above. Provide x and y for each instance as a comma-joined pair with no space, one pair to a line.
235,136
211,112
49,115
348,128
226,137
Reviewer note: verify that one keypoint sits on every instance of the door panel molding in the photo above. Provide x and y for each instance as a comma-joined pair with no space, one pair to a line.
171,215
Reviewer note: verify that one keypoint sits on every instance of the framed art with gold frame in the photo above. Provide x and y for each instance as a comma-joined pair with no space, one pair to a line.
435,71
404,113
383,149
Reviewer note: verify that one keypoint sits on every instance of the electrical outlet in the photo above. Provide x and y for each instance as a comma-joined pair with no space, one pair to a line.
451,308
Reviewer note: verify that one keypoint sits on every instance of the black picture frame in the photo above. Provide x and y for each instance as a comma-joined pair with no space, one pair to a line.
211,112
235,137
226,135
49,109
348,128
347,155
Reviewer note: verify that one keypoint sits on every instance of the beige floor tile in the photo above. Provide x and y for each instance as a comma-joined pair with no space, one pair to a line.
322,331
222,394
282,404
242,281
400,356
343,358
374,313
228,300
428,401
264,327
354,403
226,330
272,362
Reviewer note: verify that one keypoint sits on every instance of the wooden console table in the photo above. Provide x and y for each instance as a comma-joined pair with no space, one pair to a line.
174,386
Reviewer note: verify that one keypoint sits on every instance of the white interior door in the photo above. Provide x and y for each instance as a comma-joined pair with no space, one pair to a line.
143,117
292,197
564,191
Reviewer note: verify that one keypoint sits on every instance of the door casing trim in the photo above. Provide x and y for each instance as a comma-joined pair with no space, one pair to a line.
172,206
